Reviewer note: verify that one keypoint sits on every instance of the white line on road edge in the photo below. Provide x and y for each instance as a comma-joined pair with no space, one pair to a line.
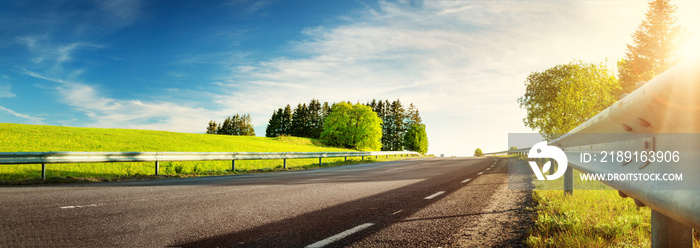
488,168
339,236
397,212
79,206
434,195
468,179
480,173
401,168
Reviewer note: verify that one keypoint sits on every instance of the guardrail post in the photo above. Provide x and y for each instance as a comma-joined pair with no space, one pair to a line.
666,232
346,159
233,165
376,156
569,181
320,163
363,158
284,163
43,171
157,168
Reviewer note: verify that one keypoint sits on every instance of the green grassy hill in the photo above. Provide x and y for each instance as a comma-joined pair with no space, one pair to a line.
34,138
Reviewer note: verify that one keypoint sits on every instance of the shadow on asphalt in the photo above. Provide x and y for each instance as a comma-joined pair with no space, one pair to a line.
308,228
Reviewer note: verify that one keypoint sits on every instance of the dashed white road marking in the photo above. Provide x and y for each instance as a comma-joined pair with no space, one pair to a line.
79,206
488,168
340,236
397,212
480,173
467,180
434,195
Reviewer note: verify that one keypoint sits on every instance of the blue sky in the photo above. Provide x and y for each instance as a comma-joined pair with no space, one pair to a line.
175,65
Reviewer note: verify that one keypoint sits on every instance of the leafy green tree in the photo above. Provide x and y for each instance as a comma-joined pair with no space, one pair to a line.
564,96
654,47
478,152
416,139
352,126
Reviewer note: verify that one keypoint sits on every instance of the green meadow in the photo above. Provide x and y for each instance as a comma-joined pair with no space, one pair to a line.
36,138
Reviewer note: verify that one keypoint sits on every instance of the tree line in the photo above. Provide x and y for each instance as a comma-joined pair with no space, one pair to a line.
304,121
401,128
395,128
233,125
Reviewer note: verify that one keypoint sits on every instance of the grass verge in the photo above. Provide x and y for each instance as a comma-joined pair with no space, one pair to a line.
589,218
35,138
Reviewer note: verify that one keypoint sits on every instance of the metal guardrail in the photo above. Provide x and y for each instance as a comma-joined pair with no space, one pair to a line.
44,158
669,103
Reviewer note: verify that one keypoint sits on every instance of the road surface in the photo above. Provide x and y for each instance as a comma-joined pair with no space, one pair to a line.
410,203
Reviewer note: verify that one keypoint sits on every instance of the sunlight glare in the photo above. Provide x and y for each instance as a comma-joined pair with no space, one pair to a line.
688,18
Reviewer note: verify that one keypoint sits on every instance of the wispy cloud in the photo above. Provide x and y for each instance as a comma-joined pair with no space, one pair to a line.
104,111
460,62
6,91
43,51
177,74
117,14
64,52
250,7
31,119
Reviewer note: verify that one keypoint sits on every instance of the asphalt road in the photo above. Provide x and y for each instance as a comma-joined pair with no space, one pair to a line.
411,203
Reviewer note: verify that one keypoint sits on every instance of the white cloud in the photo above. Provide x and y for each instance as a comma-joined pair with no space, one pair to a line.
462,63
6,91
31,119
64,52
43,50
110,112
